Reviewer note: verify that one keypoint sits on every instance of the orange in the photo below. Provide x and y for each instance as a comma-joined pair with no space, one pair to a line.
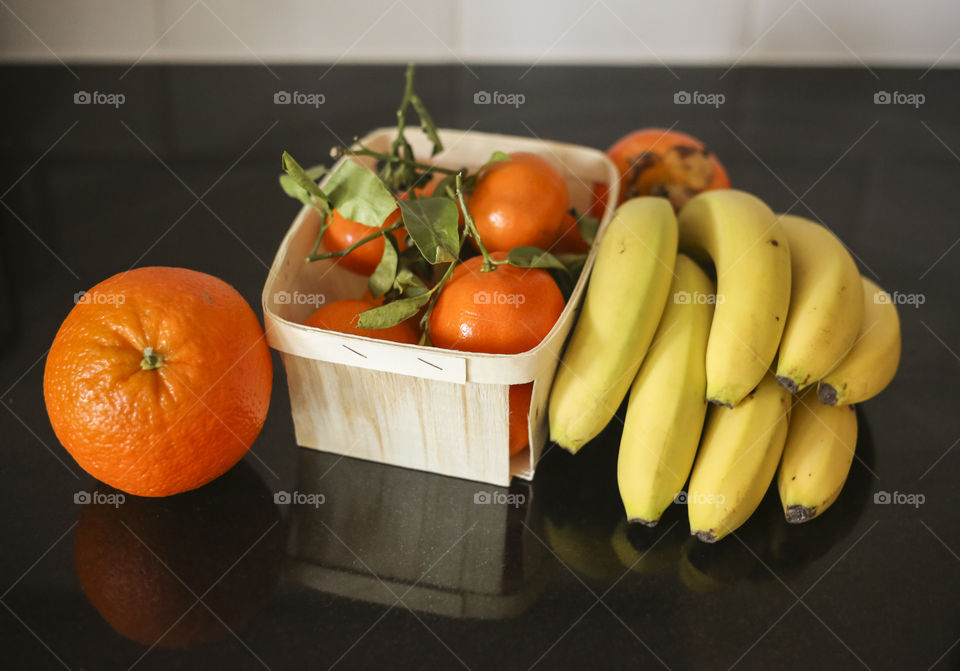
341,233
342,316
570,241
519,400
143,563
659,162
504,311
158,380
519,202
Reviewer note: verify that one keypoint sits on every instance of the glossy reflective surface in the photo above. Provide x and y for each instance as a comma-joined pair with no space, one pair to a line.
299,558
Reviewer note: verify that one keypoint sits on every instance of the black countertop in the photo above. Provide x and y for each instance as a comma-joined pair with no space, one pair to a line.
402,569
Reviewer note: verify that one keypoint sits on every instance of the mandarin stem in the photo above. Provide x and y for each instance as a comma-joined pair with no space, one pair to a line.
488,262
362,241
151,360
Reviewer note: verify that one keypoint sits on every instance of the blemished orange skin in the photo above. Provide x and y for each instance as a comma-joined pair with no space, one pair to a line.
519,202
169,429
342,316
469,316
660,162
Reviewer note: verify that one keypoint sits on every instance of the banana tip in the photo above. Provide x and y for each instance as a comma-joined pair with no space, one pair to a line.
798,514
788,383
827,394
705,536
640,520
722,404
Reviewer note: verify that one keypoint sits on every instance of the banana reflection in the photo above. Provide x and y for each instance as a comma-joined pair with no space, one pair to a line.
586,527
445,546
144,562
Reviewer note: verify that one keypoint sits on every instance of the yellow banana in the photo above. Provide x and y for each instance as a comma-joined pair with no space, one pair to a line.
737,460
816,458
752,256
826,304
623,303
872,362
667,401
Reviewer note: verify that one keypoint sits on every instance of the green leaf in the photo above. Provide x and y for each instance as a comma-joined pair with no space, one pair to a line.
533,257
381,280
391,314
303,179
432,225
409,283
573,262
294,190
359,195
587,226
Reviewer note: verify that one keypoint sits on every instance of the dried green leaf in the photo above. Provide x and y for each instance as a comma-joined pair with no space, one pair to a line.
302,178
409,283
381,280
587,226
573,262
391,314
432,225
359,195
533,257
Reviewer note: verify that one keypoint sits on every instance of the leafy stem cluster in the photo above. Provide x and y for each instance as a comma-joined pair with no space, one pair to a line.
432,223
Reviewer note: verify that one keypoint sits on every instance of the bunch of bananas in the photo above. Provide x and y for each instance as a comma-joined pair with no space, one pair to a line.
789,338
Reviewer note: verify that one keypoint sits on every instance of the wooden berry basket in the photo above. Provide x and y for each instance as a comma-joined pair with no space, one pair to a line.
418,407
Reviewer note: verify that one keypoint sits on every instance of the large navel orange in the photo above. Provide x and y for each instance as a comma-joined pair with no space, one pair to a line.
159,380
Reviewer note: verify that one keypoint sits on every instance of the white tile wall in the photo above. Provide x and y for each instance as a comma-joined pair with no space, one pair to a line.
548,31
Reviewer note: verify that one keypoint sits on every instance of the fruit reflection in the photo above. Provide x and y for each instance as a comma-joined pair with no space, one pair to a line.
144,563
451,547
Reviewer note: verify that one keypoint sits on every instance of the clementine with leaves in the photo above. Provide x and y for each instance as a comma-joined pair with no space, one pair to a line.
508,310
342,316
341,233
158,380
520,202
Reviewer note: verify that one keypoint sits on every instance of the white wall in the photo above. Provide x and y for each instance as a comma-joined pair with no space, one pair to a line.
615,31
